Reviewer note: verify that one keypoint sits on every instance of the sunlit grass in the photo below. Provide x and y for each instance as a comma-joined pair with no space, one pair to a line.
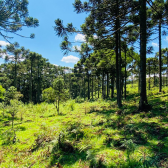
91,133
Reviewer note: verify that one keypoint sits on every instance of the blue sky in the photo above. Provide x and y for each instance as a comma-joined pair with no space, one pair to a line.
46,42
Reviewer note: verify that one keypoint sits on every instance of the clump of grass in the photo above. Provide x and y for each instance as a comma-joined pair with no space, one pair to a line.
71,105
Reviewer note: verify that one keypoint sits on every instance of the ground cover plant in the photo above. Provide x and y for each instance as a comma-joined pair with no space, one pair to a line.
87,134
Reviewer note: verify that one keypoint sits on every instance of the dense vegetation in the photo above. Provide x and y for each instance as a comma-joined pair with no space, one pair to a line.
87,134
110,110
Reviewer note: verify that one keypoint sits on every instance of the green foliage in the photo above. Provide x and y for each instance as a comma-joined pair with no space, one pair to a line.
12,94
48,95
3,107
79,100
61,93
15,15
9,137
59,87
2,93
13,109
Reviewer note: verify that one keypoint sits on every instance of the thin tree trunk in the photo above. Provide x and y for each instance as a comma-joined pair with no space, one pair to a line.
112,86
107,85
92,87
95,86
98,87
69,86
103,96
139,87
15,83
149,75
143,98
84,88
88,87
119,68
125,86
167,68
117,39
38,85
160,61
31,87
122,85
154,80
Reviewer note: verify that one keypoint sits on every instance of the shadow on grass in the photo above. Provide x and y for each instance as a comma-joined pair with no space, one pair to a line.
132,96
104,112
66,158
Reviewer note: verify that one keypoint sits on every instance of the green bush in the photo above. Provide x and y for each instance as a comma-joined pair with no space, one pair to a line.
12,94
48,95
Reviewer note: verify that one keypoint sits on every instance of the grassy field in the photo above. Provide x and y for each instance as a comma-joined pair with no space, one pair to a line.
88,134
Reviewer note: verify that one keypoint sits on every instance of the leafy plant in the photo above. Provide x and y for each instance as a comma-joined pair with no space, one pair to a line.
60,92
130,146
9,137
149,161
3,107
72,105
48,95
13,109
12,94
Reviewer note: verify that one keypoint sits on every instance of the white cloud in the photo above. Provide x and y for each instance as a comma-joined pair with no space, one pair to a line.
166,38
78,47
4,43
80,37
70,59
95,36
55,64
155,44
67,71
11,57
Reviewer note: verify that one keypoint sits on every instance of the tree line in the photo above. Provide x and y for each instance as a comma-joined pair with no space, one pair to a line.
119,25
112,30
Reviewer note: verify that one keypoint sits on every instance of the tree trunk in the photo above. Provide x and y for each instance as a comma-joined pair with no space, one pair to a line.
15,80
98,87
95,87
88,87
107,85
31,85
103,96
69,86
112,86
149,75
154,80
139,87
38,85
84,88
92,87
160,60
119,69
125,86
143,98
167,69
118,66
